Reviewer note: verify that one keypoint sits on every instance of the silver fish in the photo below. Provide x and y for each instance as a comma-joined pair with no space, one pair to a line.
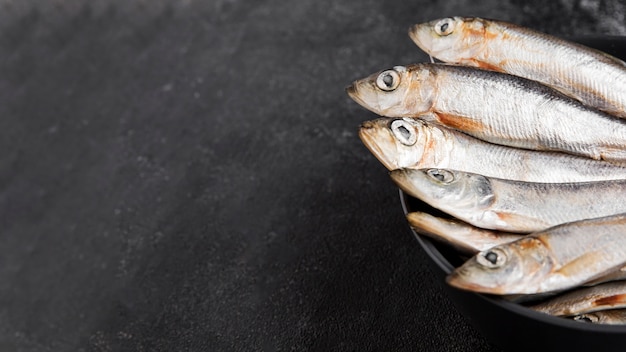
414,143
509,205
496,107
609,295
468,239
589,75
557,259
464,237
607,317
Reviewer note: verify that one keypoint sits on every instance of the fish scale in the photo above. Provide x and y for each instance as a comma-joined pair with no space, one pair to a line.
447,94
585,300
509,205
557,259
579,71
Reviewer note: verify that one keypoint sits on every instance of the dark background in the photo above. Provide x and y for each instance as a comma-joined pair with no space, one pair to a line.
187,176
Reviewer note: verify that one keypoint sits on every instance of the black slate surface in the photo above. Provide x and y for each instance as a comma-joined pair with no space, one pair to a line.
187,176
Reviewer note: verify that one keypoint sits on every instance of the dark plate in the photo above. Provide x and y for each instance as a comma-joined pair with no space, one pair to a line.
508,325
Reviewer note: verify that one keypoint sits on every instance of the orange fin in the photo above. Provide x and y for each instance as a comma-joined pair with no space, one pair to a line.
485,65
460,123
611,300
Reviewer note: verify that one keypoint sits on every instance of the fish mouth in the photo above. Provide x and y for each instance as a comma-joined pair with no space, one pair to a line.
420,33
413,30
366,131
354,94
455,279
358,95
401,178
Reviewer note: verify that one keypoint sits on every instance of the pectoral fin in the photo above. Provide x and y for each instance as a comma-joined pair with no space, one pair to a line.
519,223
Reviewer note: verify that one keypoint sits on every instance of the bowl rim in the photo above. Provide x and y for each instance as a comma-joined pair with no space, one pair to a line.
429,247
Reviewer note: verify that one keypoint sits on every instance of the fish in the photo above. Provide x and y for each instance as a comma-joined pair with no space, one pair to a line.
414,143
509,205
465,238
589,75
609,295
496,107
554,260
608,317
469,240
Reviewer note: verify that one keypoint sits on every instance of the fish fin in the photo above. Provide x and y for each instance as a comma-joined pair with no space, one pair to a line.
461,123
611,301
584,262
516,223
485,65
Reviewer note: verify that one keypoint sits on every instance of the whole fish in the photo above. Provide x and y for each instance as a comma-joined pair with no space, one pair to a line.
595,78
462,236
495,107
557,259
468,239
609,295
414,143
608,317
509,205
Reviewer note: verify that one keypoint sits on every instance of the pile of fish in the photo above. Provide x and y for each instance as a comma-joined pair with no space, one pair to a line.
519,139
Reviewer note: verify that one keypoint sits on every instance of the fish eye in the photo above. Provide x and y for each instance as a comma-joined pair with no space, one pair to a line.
388,80
441,175
445,26
586,318
492,258
404,132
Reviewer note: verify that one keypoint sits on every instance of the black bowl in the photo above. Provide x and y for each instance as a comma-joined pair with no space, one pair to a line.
508,325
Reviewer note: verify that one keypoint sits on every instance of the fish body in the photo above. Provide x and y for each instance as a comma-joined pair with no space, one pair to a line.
557,259
509,205
464,237
616,275
468,239
414,143
496,107
607,317
609,295
589,75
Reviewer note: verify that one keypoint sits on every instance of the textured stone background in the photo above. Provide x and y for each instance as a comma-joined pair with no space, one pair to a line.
186,175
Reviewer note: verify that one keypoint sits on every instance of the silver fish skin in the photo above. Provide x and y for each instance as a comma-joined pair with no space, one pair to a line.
414,143
496,107
509,205
462,236
617,275
555,260
595,78
607,317
609,295
469,240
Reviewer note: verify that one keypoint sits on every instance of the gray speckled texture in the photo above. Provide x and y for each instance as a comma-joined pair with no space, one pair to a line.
187,176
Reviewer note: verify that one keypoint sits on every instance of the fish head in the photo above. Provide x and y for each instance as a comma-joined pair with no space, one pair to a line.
401,91
514,268
449,190
451,39
396,142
